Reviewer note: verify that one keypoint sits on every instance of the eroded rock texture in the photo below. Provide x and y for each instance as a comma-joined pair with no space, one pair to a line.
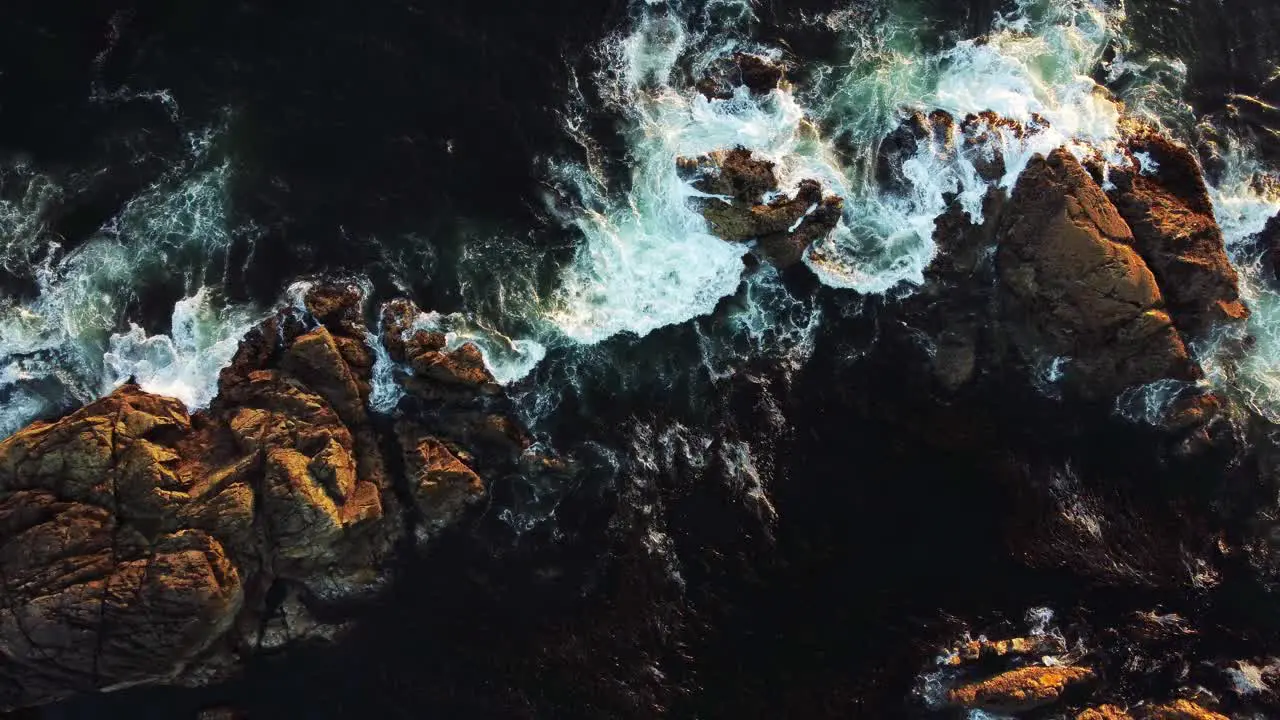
1074,287
460,429
1165,201
142,544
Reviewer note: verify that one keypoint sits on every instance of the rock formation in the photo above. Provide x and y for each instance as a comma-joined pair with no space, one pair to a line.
461,432
141,544
1073,286
1168,208
1072,289
736,210
1019,690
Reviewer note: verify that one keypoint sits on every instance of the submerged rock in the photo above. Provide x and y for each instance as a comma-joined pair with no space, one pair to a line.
1270,239
784,227
917,130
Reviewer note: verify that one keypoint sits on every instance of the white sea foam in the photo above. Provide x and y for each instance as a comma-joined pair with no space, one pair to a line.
185,363
71,342
647,259
1035,64
1243,205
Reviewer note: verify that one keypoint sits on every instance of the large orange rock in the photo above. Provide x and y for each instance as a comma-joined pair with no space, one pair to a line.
118,565
1073,286
140,544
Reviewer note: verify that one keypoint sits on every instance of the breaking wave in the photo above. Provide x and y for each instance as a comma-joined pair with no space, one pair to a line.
74,340
647,260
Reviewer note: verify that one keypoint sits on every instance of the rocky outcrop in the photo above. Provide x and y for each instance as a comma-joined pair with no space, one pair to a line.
1163,198
736,185
118,565
460,434
1053,284
1073,286
141,544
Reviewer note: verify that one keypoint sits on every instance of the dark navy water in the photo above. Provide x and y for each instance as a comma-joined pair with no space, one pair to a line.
386,139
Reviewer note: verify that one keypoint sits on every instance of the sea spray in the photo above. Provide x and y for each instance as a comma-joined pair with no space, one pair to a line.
647,258
185,363
73,340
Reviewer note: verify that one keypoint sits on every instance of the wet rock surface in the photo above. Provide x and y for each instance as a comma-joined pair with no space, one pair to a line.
1074,287
141,544
783,227
1019,690
1169,211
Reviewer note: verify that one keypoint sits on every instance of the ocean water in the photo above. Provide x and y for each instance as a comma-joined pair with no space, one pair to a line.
630,254
172,172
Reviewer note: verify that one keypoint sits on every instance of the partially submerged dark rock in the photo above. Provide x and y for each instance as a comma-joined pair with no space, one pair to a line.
461,433
984,134
901,145
1270,240
784,227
